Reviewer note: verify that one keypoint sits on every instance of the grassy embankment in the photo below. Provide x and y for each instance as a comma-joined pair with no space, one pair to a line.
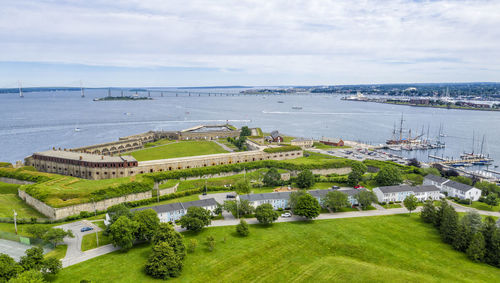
355,249
9,201
177,149
482,206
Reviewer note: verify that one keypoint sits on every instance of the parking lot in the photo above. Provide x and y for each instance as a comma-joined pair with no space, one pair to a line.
14,249
361,154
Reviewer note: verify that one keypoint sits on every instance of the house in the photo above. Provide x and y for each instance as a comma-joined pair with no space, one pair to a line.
452,188
462,191
303,143
332,141
174,211
351,193
400,192
274,137
277,200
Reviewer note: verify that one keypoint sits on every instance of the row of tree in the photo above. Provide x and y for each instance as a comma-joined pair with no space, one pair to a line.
479,240
32,267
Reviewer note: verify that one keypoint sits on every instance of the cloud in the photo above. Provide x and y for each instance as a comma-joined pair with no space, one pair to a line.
292,42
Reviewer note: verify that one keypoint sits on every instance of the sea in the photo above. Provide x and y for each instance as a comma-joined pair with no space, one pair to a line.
63,119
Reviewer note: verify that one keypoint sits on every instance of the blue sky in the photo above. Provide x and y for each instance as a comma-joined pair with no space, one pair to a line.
267,42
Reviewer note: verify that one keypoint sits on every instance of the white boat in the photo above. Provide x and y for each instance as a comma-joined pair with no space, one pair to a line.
77,129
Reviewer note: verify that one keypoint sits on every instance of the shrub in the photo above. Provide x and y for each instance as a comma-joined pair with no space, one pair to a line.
242,228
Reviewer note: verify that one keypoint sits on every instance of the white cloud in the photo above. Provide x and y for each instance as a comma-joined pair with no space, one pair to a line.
317,40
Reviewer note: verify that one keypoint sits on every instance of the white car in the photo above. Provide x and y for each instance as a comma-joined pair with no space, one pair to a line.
286,215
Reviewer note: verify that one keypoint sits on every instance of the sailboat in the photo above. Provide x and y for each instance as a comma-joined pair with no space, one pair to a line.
21,95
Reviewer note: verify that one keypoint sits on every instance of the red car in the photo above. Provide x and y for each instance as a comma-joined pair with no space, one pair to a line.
359,187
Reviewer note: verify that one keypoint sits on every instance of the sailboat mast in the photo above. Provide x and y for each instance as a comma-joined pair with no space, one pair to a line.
20,90
81,89
473,139
482,144
401,128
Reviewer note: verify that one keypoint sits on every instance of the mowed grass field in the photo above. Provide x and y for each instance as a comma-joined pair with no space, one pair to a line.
178,149
369,249
10,201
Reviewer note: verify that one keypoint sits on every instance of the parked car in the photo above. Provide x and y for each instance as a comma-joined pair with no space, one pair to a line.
85,229
230,196
359,187
335,187
286,214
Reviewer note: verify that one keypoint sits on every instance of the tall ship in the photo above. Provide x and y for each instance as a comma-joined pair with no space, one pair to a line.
477,158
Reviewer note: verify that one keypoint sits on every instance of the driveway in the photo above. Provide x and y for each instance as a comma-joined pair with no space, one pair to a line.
75,244
220,198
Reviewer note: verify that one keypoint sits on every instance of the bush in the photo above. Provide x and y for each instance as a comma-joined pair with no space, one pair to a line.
242,228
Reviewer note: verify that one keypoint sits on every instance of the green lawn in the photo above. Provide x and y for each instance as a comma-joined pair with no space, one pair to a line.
6,188
339,250
394,205
59,252
89,241
178,149
228,144
8,202
158,142
482,206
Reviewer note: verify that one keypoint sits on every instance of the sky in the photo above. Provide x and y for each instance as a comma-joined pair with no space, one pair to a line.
240,42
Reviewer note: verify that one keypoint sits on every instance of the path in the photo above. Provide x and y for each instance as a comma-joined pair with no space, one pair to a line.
225,147
83,256
461,208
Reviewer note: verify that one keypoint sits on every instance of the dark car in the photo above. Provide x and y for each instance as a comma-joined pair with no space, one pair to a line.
85,229
230,196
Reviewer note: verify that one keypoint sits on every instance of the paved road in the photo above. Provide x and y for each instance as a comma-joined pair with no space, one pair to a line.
14,249
225,147
231,221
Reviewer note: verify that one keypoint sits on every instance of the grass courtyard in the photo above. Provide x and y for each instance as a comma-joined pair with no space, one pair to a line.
178,149
397,248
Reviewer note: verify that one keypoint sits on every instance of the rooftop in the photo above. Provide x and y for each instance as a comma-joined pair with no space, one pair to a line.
334,140
86,157
458,186
257,197
435,178
179,205
406,188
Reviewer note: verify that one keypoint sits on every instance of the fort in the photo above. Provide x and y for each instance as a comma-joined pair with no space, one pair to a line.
99,161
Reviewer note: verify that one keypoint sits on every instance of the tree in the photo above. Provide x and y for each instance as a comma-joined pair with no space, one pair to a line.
449,225
238,207
491,200
192,245
166,233
462,179
410,202
147,223
29,276
307,206
195,219
242,186
476,249
163,262
414,162
439,213
463,238
122,232
488,230
8,268
51,265
388,176
265,213
272,177
305,179
242,228
37,231
32,259
218,209
116,211
294,197
428,212
56,235
245,131
473,220
365,198
357,171
335,200
211,243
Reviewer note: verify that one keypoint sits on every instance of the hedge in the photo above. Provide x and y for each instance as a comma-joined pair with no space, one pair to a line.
239,167
5,164
282,149
18,174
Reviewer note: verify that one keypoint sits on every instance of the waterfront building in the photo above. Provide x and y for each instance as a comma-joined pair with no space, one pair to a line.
400,192
332,141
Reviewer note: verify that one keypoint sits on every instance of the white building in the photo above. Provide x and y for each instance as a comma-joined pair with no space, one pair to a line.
303,143
351,193
174,211
452,188
277,200
399,193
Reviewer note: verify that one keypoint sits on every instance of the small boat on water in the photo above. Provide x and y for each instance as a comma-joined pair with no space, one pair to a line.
77,129
279,101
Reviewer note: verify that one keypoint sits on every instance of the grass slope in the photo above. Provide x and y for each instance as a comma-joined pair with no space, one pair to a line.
178,149
369,249
6,188
8,202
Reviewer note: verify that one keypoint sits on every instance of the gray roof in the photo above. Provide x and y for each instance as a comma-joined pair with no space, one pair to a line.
301,139
406,188
458,186
275,134
179,205
334,140
257,197
435,178
87,157
322,193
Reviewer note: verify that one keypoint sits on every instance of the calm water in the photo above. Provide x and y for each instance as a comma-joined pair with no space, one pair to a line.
42,120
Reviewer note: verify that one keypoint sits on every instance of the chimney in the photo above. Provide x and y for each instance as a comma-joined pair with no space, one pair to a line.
81,157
